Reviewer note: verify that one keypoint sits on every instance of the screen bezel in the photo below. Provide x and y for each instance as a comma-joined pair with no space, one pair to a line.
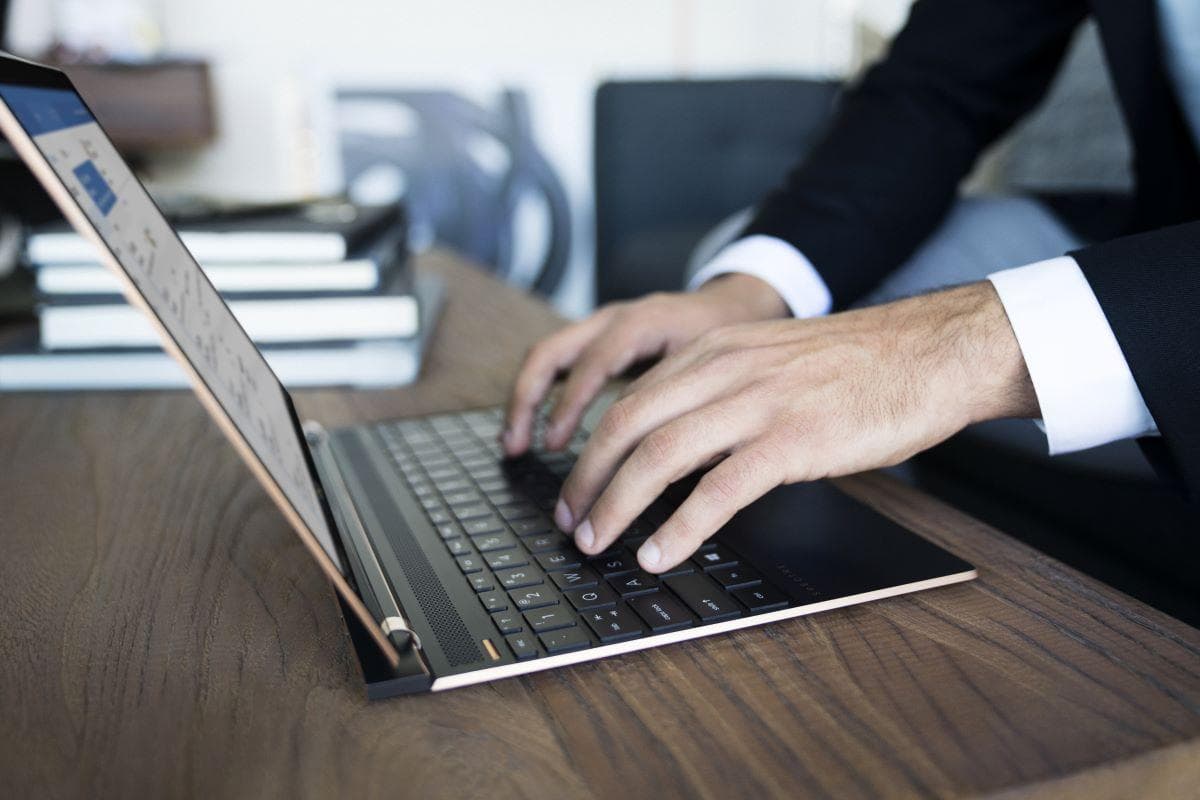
19,72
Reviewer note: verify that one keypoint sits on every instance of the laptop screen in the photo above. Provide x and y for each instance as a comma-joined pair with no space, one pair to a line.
174,287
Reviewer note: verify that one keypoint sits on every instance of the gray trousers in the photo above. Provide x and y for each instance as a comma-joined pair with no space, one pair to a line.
979,236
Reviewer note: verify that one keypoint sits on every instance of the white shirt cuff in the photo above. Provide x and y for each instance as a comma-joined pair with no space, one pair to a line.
1083,384
780,265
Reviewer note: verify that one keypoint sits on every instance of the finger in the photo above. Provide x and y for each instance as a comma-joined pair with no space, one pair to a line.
626,423
537,374
666,455
605,358
724,490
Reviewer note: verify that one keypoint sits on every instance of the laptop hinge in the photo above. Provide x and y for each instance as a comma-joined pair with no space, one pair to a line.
354,540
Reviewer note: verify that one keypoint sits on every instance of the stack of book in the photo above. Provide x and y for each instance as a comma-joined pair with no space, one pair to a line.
324,290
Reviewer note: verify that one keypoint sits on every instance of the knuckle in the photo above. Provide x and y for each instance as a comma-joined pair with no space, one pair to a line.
617,418
658,450
687,529
720,487
711,339
541,351
730,358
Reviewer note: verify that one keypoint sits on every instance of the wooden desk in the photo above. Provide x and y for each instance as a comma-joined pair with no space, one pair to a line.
164,635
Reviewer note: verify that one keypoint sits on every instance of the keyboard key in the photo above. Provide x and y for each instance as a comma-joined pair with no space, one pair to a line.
560,559
449,530
736,577
761,598
431,503
662,612
640,582
683,568
485,473
528,599
483,581
523,646
714,557
473,511
477,461
565,640
619,564
494,601
456,485
459,547
575,578
520,577
499,495
469,563
518,511
494,541
529,527
545,542
506,559
509,622
494,487
465,497
614,624
549,619
704,598
486,524
598,597
439,516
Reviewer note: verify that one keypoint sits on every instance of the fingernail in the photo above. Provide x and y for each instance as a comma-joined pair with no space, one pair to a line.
649,554
562,516
585,537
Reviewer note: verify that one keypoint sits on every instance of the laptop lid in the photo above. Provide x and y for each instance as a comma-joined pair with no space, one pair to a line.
59,139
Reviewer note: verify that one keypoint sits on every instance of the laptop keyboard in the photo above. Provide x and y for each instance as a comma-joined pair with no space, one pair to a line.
545,596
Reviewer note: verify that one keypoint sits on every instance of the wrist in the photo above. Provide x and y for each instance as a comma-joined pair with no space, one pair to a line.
744,298
963,354
988,375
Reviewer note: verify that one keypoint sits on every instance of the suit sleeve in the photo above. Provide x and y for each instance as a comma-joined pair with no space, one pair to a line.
1148,286
958,75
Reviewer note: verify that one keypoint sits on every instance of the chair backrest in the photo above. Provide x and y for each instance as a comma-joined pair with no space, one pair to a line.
465,173
674,158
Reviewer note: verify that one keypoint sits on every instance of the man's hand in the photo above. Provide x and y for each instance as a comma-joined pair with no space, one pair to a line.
787,401
607,343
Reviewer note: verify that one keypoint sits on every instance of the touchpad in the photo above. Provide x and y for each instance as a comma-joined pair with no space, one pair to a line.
816,543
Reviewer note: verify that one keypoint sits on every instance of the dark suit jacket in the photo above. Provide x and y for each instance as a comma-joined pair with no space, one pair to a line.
959,75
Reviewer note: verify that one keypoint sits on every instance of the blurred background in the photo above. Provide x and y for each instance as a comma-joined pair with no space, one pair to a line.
276,68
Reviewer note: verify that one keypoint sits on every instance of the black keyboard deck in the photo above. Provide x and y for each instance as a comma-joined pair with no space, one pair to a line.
544,595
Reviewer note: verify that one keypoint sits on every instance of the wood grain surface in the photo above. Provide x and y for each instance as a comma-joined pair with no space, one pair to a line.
164,635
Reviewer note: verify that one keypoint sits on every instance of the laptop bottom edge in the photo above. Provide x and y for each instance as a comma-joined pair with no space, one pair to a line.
488,674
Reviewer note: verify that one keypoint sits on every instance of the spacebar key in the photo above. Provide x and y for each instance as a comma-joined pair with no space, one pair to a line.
709,602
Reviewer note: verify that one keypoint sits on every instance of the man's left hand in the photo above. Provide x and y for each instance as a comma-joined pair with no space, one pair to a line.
793,400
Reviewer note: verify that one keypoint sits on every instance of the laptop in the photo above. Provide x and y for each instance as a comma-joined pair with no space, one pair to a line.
448,567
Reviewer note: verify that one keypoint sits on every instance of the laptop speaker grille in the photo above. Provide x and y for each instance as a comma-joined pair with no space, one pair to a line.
452,635
456,642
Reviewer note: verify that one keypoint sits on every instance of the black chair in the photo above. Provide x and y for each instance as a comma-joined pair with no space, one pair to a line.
465,172
674,158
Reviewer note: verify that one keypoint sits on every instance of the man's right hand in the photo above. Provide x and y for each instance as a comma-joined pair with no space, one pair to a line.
615,337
